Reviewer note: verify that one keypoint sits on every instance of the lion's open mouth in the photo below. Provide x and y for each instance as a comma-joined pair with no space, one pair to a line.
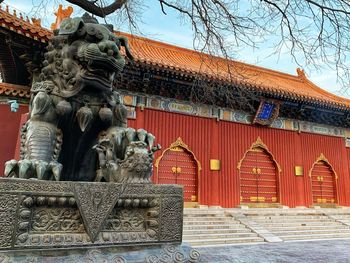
106,75
97,80
97,73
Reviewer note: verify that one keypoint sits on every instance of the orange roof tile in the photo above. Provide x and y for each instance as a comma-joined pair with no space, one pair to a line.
23,27
192,62
189,61
11,90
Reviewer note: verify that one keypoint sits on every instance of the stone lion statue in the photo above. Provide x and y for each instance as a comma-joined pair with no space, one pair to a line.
77,126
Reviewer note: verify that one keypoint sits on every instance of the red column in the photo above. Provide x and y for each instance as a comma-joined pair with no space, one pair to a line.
140,117
300,191
214,154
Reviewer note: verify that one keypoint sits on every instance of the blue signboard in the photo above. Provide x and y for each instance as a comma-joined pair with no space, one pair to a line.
266,111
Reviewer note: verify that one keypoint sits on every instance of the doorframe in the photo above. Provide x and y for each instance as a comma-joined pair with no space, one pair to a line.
180,143
260,144
323,158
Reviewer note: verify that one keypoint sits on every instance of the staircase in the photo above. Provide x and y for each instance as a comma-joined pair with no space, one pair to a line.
342,216
301,224
208,227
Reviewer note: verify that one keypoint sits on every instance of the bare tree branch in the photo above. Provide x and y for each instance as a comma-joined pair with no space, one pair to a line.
93,8
315,32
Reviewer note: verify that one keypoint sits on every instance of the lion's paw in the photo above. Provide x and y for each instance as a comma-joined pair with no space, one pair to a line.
142,136
26,169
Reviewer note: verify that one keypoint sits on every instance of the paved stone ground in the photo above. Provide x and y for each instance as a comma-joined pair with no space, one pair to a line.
322,251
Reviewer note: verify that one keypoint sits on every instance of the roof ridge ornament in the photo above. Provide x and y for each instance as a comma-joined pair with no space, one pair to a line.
301,73
36,21
61,14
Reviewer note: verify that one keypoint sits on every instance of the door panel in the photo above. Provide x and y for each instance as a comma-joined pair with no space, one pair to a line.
258,178
323,184
177,166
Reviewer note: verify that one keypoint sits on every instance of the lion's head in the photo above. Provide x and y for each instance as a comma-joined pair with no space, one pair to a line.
83,54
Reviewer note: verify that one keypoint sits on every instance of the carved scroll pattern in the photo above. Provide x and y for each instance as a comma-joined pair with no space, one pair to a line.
126,220
57,219
171,228
173,254
8,205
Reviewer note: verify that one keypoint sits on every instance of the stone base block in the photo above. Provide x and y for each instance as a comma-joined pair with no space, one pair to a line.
38,214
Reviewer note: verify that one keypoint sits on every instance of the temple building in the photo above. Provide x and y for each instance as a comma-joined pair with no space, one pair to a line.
231,133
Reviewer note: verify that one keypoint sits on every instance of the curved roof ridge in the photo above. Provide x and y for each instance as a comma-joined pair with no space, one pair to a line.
327,93
166,46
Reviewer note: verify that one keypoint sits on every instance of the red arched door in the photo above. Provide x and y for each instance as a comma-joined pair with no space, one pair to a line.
323,183
177,165
258,177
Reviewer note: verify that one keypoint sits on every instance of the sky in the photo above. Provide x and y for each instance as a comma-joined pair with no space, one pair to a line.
168,28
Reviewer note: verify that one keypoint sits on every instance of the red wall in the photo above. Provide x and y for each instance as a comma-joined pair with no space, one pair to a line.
167,127
228,141
9,130
290,149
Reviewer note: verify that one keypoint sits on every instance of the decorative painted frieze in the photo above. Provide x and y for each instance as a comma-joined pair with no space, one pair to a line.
235,116
321,129
172,105
129,100
179,106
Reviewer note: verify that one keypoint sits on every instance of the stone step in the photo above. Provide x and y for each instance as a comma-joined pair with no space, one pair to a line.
217,236
200,212
224,241
339,214
204,210
345,221
216,231
286,228
288,217
208,222
342,217
208,227
281,220
207,218
204,214
330,221
311,232
280,212
314,236
292,224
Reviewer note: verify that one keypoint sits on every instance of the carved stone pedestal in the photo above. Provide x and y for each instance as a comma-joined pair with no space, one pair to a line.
44,214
